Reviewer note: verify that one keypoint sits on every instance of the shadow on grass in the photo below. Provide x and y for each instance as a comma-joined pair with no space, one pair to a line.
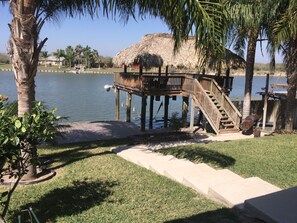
71,156
71,200
199,155
219,215
76,152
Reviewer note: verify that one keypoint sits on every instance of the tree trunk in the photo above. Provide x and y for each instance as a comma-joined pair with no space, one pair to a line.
291,69
25,52
249,74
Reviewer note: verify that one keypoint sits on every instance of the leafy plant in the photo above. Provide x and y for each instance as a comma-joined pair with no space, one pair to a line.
176,122
19,137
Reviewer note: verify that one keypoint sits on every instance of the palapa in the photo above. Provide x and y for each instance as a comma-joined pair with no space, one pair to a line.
156,50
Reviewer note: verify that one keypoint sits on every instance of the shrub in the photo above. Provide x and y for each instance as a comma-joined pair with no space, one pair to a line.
176,122
18,139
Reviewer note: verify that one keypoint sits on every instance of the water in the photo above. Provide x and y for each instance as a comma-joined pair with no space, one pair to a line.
258,83
83,98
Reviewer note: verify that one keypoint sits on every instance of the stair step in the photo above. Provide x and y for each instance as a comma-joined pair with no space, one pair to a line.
234,194
276,207
179,173
228,125
231,130
173,164
158,159
203,181
226,121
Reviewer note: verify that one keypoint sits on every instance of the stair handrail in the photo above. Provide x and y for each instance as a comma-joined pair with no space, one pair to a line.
206,105
227,104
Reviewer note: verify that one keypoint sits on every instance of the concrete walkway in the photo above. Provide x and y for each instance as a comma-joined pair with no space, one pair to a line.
253,196
259,199
74,132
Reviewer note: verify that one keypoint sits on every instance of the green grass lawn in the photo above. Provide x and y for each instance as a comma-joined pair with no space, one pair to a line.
94,185
272,158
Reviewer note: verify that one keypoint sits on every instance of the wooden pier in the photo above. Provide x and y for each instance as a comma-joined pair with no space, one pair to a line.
203,90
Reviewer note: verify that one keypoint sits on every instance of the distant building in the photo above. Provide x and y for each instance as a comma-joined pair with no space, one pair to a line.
51,61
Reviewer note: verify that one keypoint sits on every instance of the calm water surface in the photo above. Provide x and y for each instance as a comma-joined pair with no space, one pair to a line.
83,98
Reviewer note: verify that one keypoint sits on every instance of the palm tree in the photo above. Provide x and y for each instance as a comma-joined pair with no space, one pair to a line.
78,52
58,54
205,17
87,53
94,57
44,55
285,30
69,55
247,21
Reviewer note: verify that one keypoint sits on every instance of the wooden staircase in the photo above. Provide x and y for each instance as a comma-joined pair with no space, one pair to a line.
216,106
226,123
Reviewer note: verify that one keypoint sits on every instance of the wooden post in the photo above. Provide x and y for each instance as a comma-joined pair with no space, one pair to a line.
185,106
166,71
140,70
125,68
151,112
160,71
159,77
192,115
117,102
227,82
143,113
200,116
128,107
265,102
166,111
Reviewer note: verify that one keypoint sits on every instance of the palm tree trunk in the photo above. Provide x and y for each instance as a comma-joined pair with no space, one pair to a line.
249,74
291,69
25,52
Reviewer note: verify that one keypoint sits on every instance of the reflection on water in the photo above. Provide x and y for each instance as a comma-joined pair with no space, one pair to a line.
83,98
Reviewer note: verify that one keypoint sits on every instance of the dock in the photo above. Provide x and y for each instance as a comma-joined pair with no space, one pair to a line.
205,92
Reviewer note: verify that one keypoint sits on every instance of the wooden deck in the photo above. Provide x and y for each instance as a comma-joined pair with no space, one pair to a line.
204,90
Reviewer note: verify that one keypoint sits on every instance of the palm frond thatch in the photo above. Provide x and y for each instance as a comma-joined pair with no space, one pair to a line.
155,50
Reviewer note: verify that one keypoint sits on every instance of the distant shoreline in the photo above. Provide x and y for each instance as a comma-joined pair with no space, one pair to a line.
234,73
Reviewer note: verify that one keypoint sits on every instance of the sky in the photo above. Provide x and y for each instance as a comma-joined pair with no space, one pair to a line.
106,36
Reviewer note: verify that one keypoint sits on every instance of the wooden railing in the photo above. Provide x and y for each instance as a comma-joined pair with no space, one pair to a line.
212,114
128,80
162,83
150,83
210,85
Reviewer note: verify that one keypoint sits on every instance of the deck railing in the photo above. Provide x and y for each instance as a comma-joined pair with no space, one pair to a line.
128,80
150,83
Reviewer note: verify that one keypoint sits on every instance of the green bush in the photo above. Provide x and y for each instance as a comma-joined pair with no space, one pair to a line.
18,139
176,122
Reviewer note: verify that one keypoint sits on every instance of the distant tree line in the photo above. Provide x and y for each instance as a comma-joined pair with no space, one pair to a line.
4,58
79,56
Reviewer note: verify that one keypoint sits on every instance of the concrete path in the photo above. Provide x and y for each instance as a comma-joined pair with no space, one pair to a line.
97,130
258,198
253,196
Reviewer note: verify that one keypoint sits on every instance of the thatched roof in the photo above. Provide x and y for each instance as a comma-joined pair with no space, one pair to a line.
155,50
